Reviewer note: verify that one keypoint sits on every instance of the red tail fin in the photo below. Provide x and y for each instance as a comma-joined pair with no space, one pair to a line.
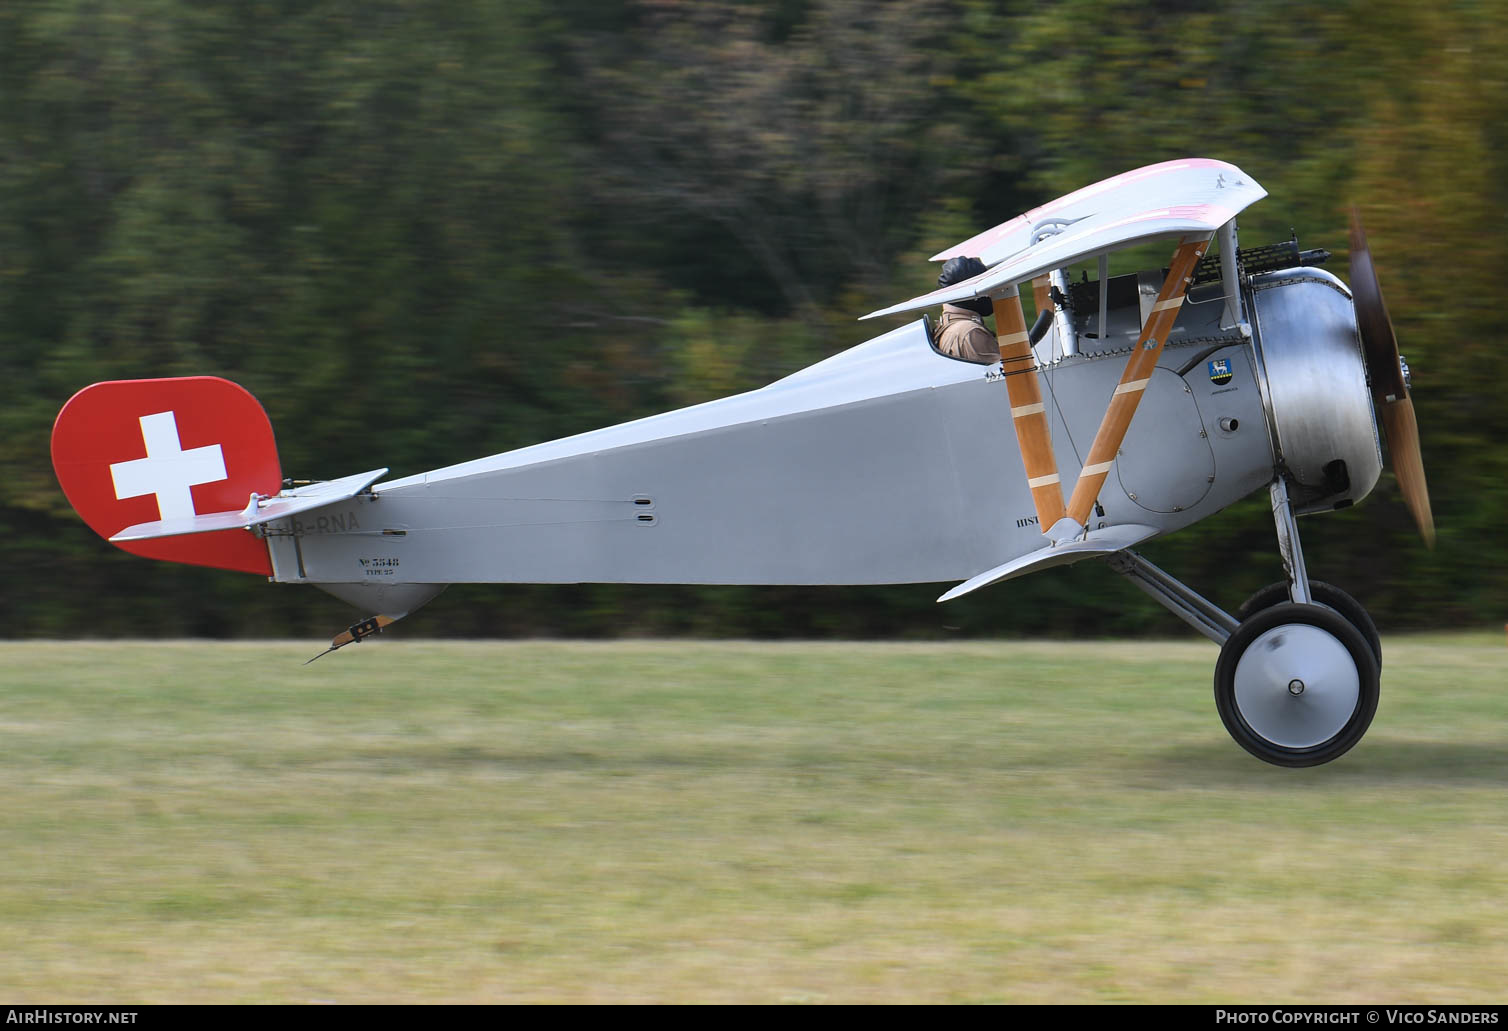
131,451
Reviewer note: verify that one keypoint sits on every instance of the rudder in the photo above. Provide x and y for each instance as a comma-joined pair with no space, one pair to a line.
133,451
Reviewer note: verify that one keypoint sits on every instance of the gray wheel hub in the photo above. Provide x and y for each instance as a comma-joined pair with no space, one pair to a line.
1297,686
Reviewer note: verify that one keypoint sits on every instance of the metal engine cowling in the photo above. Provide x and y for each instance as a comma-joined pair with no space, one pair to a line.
1314,386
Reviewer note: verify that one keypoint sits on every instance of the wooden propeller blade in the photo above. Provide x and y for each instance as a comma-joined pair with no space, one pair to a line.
1390,393
1378,341
1402,430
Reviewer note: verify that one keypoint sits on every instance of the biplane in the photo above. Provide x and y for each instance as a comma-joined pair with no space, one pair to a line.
1136,405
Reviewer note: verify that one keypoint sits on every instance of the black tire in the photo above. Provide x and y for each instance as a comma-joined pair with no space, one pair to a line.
1296,685
1328,595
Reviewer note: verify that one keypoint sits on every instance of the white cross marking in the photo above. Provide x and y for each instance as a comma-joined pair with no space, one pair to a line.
168,471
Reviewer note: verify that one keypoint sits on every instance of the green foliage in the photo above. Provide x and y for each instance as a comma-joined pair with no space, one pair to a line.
428,232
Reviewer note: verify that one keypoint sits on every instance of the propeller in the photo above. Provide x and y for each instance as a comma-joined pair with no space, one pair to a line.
1390,392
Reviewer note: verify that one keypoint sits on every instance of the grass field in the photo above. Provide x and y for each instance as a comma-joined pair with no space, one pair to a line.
501,822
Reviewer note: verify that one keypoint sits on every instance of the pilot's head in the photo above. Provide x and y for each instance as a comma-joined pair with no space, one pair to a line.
956,270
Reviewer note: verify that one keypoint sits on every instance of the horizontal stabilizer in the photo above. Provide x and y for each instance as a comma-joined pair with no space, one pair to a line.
257,510
1098,542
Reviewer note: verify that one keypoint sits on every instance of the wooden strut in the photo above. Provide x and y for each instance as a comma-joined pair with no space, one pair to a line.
1042,292
1133,384
1027,411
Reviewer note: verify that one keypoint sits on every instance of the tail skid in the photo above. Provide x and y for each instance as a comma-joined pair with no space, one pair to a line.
356,633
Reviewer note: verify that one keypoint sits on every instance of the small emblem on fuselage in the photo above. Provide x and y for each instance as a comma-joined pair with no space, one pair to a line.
1220,373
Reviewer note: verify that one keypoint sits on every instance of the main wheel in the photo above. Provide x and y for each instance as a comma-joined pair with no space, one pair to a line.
1296,685
1328,595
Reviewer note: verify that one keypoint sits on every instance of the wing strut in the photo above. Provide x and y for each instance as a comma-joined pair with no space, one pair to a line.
1042,292
1134,380
1019,364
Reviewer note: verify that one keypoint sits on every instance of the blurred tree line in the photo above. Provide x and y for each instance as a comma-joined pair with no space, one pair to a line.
425,231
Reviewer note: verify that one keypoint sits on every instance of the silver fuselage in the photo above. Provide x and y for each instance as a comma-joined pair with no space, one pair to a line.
886,463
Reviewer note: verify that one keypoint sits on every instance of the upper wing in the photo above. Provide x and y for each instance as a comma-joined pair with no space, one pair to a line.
1172,199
